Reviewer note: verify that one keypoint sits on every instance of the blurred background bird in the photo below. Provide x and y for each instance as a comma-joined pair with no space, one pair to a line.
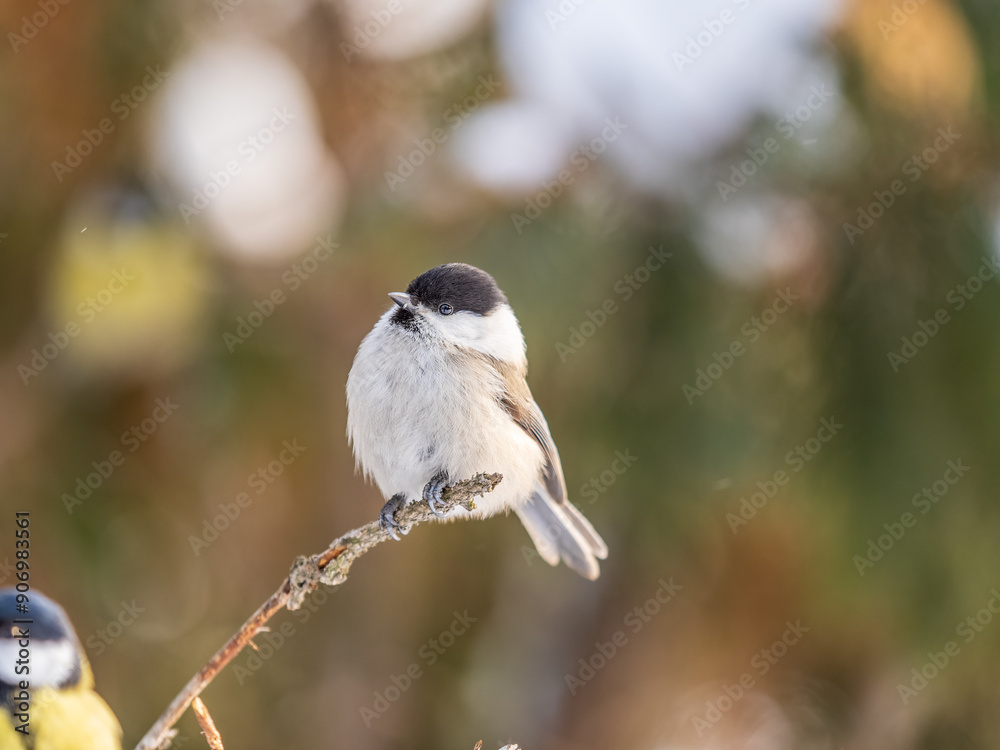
59,709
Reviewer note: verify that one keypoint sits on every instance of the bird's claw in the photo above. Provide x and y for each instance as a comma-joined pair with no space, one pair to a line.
433,490
387,517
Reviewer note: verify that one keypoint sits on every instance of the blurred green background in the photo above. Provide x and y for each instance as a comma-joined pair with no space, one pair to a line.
167,168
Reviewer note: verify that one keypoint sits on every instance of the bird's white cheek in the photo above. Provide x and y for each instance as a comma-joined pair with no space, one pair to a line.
9,655
49,663
506,342
497,334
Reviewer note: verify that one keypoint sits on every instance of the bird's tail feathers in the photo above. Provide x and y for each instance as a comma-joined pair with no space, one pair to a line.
561,532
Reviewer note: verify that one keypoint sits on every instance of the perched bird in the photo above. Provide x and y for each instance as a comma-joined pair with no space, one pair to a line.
437,393
57,709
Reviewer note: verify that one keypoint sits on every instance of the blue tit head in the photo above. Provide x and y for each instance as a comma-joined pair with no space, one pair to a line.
54,650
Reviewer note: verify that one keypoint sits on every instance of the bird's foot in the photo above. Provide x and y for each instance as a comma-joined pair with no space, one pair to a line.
387,517
433,490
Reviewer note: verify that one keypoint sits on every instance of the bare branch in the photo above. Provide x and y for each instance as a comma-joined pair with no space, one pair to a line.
330,567
208,729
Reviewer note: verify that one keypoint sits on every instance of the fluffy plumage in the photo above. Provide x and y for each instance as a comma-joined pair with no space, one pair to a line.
65,712
434,391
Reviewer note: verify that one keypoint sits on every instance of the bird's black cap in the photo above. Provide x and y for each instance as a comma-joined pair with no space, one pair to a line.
48,620
48,625
462,286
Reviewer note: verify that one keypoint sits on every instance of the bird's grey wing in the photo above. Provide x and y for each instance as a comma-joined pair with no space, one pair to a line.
517,401
557,528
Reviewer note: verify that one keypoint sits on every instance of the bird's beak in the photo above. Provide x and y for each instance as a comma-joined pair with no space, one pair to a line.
404,300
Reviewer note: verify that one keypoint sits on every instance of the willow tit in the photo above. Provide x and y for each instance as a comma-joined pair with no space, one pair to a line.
437,392
47,698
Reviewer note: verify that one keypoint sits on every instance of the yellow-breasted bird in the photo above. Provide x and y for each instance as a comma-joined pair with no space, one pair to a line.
47,698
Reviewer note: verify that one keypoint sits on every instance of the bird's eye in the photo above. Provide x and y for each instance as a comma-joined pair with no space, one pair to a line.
446,309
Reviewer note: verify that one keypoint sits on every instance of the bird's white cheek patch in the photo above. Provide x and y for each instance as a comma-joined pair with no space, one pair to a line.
48,663
506,342
9,650
497,334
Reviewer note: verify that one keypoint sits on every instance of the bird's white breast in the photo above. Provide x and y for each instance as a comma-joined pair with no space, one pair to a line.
416,407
